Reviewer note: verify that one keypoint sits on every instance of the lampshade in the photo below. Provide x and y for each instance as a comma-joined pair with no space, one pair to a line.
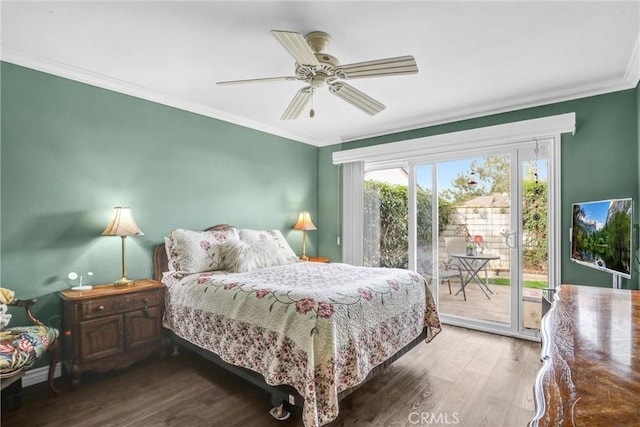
304,222
122,224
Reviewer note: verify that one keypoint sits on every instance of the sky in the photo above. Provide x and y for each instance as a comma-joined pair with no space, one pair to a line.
596,211
449,170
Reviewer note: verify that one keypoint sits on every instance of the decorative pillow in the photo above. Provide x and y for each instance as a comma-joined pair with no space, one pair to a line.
250,256
233,231
6,296
171,255
276,236
196,251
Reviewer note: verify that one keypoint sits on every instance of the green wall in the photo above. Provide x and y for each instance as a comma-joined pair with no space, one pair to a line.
71,152
600,161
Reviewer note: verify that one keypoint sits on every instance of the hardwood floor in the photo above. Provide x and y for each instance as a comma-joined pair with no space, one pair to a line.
463,377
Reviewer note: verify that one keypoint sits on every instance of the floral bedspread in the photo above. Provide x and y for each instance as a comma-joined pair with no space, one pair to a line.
318,327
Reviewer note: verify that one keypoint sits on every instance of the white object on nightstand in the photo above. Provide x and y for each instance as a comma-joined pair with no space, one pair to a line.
73,276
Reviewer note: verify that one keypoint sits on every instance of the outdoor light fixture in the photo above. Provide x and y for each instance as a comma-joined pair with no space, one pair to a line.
472,179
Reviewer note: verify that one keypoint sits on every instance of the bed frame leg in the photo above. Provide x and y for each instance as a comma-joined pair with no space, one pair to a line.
176,350
279,413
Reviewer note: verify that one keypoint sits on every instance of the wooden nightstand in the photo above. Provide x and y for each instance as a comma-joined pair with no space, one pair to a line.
319,259
110,327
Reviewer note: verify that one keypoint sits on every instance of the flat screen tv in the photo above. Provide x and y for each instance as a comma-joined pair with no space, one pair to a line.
601,235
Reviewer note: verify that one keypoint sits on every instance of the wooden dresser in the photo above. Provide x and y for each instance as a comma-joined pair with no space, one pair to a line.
591,359
110,327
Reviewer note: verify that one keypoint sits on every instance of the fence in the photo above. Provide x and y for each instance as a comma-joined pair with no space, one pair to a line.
491,223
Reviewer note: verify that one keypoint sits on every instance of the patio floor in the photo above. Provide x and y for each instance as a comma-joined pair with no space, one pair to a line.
496,309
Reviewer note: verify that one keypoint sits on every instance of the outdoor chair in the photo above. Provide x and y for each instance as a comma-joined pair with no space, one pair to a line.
445,271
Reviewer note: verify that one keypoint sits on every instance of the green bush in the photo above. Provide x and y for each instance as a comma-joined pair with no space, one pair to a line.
386,223
534,225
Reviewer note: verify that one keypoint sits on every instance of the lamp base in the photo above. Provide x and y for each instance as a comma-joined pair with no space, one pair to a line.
124,282
304,257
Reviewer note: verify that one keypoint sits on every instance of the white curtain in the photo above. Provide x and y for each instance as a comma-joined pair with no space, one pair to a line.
352,212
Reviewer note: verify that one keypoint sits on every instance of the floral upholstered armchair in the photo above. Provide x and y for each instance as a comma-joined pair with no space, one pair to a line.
22,346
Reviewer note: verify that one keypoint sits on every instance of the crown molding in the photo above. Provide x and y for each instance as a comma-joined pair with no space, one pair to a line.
632,74
59,69
628,81
561,95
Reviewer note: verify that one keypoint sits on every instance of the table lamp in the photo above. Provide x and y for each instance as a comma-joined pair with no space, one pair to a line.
123,225
304,223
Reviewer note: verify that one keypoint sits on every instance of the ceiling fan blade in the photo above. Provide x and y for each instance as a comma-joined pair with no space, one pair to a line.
379,68
265,79
356,98
299,101
297,47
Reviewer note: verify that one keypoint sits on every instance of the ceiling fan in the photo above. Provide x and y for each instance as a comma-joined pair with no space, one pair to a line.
320,69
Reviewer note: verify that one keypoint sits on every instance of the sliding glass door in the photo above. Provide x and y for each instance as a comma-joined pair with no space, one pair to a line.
474,226
534,219
476,194
386,225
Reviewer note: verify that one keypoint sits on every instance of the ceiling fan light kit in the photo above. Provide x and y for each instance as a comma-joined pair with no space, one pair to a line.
319,69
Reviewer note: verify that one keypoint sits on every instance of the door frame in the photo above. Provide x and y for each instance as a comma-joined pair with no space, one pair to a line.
516,327
463,143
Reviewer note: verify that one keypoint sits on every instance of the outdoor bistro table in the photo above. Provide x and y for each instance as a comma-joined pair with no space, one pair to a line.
473,264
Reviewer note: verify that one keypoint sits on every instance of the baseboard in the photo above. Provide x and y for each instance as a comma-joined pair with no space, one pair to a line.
40,375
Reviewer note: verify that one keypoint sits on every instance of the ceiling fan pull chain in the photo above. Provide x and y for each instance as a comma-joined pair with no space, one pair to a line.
312,112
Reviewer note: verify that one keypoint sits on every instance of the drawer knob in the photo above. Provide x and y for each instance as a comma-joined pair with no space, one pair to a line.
100,307
145,309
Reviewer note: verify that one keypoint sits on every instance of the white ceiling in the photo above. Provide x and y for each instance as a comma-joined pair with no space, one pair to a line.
475,58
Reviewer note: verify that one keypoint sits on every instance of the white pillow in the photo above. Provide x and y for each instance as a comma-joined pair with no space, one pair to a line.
282,246
171,255
241,257
197,251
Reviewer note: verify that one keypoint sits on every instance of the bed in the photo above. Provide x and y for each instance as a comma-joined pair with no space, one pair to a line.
308,333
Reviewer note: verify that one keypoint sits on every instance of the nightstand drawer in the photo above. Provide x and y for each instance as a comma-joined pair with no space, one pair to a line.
92,309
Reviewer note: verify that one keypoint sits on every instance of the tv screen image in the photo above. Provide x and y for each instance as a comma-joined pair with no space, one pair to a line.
601,235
